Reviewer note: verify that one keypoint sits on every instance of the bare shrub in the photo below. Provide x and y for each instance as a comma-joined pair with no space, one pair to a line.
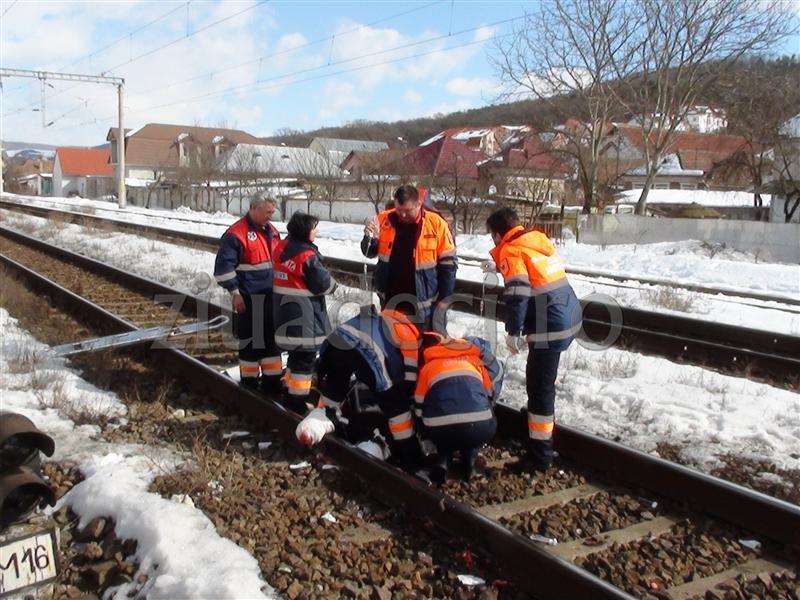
24,359
669,298
49,389
617,365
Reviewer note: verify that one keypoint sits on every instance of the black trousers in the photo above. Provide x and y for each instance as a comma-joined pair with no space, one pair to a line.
540,380
335,370
255,331
299,371
462,437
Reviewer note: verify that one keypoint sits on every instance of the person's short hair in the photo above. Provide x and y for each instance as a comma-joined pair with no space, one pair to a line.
300,225
502,221
260,199
405,193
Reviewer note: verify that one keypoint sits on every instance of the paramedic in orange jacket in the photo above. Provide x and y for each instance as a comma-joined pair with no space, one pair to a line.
542,312
244,268
416,256
458,383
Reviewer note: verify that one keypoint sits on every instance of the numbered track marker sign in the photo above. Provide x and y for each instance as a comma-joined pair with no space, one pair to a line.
28,561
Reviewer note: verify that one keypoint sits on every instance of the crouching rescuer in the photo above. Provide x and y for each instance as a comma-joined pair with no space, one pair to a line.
244,267
542,312
379,350
301,318
458,383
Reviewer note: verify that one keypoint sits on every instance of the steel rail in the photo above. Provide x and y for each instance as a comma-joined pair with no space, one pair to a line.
211,243
517,555
729,348
775,519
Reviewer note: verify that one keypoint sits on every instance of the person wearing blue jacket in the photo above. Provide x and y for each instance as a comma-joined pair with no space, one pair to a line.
381,351
542,313
301,318
244,268
458,384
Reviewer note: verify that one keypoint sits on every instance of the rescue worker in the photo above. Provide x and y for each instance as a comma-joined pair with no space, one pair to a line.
543,312
416,257
244,267
458,383
301,318
381,351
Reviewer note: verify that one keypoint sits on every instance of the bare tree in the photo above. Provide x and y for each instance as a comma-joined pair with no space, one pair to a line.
379,188
678,50
457,194
757,102
570,48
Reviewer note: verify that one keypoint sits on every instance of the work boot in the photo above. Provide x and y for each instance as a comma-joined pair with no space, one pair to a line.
407,454
296,404
272,386
251,383
468,458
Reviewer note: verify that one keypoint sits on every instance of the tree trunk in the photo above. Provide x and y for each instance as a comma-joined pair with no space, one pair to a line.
641,204
794,199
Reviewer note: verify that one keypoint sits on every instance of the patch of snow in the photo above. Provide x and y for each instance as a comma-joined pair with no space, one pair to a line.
178,548
708,198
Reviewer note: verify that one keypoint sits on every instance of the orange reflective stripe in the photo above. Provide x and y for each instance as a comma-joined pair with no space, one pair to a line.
398,427
271,362
543,427
298,384
246,369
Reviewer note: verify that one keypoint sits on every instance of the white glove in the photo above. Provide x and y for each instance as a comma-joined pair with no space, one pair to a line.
515,343
313,427
488,266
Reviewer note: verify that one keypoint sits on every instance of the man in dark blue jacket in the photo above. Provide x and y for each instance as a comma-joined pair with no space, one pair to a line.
244,268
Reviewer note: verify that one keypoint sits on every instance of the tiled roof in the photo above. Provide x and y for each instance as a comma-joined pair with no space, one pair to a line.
443,158
84,161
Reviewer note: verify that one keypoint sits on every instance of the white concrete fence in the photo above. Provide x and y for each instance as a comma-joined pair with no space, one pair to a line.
776,242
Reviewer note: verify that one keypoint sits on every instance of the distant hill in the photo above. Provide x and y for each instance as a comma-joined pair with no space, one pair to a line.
537,113
15,146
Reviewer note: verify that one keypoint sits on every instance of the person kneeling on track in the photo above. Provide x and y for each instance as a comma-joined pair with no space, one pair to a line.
458,383
380,350
301,318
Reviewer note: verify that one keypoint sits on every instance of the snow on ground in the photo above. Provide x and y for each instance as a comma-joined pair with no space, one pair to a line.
191,559
644,400
144,256
641,400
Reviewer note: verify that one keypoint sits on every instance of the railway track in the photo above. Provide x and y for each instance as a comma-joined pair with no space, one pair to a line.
210,243
761,355
626,523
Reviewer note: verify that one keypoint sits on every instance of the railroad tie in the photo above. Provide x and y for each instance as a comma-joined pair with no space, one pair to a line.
534,503
579,548
751,568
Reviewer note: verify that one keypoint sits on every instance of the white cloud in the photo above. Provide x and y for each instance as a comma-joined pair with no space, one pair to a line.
412,96
476,86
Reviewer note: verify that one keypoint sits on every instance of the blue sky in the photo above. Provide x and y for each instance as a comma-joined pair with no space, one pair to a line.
257,66
318,63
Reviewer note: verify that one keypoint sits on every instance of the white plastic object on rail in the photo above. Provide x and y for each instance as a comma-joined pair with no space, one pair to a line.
313,427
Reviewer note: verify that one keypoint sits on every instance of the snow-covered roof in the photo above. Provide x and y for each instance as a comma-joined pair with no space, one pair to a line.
280,160
701,197
217,139
347,146
670,166
792,127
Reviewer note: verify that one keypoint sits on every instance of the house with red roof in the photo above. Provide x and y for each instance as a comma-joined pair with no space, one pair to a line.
84,172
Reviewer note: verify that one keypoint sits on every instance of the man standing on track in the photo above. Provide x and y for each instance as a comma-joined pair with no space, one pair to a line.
416,256
244,268
542,312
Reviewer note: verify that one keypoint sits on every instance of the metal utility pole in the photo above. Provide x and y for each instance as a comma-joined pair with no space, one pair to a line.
119,82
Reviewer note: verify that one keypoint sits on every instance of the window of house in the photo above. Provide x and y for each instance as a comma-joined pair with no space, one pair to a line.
661,186
674,185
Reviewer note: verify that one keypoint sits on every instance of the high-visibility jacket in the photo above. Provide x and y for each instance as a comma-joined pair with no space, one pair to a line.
300,284
388,342
244,258
539,300
434,256
458,383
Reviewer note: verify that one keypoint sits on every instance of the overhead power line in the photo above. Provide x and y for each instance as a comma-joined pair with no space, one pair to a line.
215,94
342,61
151,52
